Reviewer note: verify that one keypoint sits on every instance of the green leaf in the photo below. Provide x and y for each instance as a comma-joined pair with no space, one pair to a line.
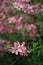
35,44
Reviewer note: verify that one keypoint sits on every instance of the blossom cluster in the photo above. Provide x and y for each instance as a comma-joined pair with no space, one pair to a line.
19,25
27,6
32,31
3,7
17,48
16,23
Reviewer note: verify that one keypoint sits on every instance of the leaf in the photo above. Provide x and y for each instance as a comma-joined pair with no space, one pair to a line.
35,44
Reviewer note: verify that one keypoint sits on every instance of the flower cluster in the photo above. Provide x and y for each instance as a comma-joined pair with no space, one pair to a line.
32,30
16,23
28,7
19,25
4,24
3,7
4,45
17,48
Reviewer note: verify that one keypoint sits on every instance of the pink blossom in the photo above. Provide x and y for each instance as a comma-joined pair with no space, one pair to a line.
30,27
25,6
2,29
4,45
11,20
15,48
19,48
18,21
32,31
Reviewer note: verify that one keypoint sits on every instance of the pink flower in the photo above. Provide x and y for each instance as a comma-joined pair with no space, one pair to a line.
18,28
41,9
2,29
15,48
11,20
30,27
4,45
32,31
19,48
23,49
25,6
